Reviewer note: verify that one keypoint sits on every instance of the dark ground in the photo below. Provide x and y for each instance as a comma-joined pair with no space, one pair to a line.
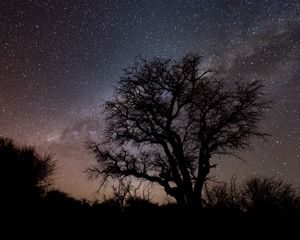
169,222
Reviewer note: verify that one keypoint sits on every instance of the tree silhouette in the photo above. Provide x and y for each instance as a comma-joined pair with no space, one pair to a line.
24,175
126,195
225,196
168,118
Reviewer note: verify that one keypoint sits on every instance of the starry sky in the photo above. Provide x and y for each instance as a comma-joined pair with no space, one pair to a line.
59,61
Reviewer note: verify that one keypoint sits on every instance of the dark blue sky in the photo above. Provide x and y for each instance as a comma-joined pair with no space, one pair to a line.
60,59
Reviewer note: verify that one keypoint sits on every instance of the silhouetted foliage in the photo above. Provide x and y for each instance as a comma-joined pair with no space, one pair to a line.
24,174
269,194
125,195
140,203
59,199
120,195
168,118
225,196
258,194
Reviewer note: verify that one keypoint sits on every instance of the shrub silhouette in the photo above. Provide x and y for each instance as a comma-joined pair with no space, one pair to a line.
225,196
140,203
61,200
268,194
258,194
125,196
24,175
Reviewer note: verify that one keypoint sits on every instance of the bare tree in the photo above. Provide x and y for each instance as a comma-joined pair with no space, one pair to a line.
168,118
121,193
225,196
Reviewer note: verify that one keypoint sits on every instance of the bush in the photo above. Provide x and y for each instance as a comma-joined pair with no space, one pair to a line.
24,174
270,194
224,196
255,194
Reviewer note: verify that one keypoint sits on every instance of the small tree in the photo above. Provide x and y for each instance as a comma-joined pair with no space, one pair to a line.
225,196
121,193
125,194
24,174
168,118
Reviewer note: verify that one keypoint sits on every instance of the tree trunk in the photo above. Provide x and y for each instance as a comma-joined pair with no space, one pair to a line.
180,201
203,171
197,196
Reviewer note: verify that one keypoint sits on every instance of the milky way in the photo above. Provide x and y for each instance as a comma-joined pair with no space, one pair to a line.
59,61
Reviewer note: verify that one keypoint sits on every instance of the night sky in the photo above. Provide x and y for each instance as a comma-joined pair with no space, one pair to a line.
59,61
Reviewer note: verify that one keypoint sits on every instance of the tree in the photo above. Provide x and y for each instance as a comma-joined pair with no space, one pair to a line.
125,195
225,196
24,174
168,118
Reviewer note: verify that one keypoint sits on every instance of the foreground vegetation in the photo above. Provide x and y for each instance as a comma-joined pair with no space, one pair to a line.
259,207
